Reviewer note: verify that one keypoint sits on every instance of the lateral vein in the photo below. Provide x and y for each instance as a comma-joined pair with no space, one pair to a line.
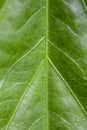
68,87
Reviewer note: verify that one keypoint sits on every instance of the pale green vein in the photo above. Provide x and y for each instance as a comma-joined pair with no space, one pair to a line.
66,25
70,58
69,29
4,7
29,20
22,57
68,87
24,94
47,122
61,118
36,121
15,85
84,4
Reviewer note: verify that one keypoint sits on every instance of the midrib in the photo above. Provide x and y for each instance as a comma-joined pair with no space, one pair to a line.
46,45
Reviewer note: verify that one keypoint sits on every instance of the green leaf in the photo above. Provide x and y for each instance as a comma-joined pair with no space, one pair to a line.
43,65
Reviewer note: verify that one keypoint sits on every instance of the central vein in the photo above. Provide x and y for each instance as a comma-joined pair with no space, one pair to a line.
46,44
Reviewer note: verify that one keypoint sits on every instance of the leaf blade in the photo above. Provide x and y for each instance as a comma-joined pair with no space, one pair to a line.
42,35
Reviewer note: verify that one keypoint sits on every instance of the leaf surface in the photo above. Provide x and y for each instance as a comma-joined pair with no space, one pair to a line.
43,65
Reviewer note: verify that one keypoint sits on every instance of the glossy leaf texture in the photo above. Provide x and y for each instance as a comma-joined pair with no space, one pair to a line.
43,65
